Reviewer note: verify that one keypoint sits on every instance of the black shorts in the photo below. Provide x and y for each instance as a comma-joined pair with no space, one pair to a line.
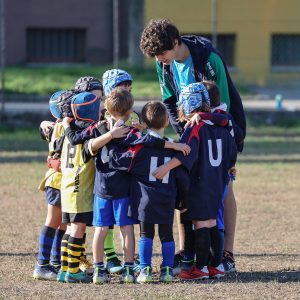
86,218
53,196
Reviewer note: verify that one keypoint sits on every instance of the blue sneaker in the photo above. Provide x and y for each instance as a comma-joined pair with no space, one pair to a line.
45,272
177,263
186,264
79,277
101,276
166,275
61,276
114,265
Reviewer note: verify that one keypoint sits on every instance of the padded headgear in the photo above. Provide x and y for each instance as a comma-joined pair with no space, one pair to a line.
112,78
53,105
88,83
193,96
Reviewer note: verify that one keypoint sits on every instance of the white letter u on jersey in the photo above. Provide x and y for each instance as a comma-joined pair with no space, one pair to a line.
215,162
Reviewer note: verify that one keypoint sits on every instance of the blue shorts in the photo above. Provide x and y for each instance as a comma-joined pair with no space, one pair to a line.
110,212
220,216
53,196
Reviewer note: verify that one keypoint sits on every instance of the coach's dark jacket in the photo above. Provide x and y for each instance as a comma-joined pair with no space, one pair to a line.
200,49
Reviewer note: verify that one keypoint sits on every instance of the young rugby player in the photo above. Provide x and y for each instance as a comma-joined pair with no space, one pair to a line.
152,201
213,154
53,230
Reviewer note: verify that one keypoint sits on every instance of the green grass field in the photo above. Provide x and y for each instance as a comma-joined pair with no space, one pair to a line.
267,238
45,80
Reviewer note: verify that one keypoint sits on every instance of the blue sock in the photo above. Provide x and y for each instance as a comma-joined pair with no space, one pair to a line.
168,252
45,245
55,253
145,252
128,264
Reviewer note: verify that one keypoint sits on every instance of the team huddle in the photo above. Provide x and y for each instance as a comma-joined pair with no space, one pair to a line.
108,166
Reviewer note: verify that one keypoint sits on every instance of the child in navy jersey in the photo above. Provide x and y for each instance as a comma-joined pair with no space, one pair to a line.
213,154
152,201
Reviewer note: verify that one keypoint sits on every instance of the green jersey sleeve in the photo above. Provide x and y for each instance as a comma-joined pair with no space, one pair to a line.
216,72
165,86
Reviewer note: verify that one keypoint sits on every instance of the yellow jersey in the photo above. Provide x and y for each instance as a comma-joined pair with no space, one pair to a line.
78,177
53,178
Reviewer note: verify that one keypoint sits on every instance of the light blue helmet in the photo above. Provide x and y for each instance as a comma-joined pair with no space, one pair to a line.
192,97
112,78
53,104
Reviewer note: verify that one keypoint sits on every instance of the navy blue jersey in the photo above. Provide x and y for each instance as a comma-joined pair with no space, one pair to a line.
213,153
151,200
111,183
236,132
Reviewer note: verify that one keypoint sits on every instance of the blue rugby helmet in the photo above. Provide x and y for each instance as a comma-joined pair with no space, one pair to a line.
112,78
193,96
85,106
53,104
88,83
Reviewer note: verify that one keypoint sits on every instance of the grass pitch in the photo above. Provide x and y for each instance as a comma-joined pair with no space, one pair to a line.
267,238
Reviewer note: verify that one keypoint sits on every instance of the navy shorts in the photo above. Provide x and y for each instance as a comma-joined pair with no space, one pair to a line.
53,196
85,217
110,212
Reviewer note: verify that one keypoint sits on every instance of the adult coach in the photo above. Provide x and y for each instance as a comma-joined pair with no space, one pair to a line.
181,60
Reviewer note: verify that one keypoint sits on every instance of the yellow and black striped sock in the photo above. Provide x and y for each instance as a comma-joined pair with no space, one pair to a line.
83,254
64,252
74,253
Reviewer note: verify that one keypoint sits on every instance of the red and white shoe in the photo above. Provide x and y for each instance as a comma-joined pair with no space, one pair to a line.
194,274
216,272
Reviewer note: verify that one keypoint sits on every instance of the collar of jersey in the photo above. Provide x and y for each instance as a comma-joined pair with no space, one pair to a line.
153,133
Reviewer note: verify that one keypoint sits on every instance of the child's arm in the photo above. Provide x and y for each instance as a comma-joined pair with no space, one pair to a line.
114,133
135,138
219,119
77,137
190,137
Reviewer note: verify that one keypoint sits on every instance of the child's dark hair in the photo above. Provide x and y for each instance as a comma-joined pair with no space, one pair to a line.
155,114
119,101
159,36
213,92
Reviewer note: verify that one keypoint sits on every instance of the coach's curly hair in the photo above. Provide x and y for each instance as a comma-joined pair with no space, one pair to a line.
159,36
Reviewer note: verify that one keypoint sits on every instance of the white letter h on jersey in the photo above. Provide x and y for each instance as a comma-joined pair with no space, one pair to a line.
154,166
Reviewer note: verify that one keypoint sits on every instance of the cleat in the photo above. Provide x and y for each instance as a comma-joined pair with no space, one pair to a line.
45,272
177,263
228,262
128,275
216,272
100,275
145,275
61,276
86,266
194,274
79,277
186,264
166,275
114,265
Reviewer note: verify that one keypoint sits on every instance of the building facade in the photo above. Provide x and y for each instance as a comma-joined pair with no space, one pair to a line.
62,31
